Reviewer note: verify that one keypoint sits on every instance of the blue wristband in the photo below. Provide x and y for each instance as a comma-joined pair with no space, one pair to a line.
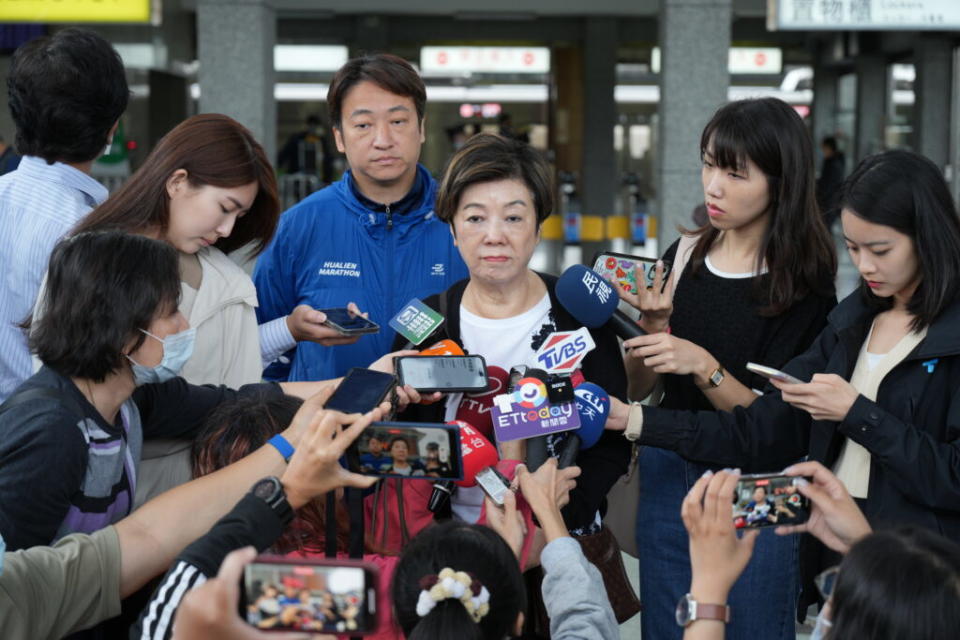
283,446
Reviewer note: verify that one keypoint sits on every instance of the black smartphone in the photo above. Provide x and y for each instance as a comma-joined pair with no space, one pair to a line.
349,324
768,500
312,595
494,484
361,390
407,450
621,268
443,373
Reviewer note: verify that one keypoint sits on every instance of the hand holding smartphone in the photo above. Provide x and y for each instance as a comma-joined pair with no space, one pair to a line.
348,323
361,390
443,373
622,269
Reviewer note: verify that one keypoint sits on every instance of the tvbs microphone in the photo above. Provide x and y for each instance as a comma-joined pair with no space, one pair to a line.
476,453
592,301
593,405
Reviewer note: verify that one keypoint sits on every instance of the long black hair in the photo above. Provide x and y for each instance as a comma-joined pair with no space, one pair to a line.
796,248
907,192
898,584
472,548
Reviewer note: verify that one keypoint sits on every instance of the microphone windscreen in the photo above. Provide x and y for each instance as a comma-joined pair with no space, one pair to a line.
586,296
593,405
474,408
445,347
477,453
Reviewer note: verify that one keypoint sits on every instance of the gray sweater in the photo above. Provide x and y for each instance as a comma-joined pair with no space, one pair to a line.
574,594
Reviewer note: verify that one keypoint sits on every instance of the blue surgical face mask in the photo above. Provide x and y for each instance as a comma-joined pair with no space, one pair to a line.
3,549
177,349
821,627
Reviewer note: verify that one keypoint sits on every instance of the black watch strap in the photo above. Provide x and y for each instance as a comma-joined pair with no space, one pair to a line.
270,490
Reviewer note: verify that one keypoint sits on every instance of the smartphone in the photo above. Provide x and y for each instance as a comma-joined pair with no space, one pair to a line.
349,324
621,268
361,390
768,500
494,484
313,595
407,450
771,373
443,373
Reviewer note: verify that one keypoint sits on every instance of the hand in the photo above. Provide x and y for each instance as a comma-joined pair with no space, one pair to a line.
826,397
315,467
209,612
619,414
507,521
406,395
717,556
664,353
835,519
306,324
655,304
547,491
305,414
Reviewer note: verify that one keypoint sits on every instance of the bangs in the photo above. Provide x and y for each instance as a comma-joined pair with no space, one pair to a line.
728,138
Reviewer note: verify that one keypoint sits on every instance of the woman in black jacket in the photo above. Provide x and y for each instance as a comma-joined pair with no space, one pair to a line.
882,405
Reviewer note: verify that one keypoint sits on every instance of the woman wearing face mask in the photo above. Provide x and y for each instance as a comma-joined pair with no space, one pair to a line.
208,189
880,398
757,286
900,583
112,342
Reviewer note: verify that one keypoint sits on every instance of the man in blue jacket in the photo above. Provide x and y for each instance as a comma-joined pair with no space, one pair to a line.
372,238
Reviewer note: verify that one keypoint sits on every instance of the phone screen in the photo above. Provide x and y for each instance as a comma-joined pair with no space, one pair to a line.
621,268
310,595
408,450
443,373
493,484
769,500
346,322
361,390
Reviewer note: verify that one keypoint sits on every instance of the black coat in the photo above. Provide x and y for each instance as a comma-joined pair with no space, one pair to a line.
602,464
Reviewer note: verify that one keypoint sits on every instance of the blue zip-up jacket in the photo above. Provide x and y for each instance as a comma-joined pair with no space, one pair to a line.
330,249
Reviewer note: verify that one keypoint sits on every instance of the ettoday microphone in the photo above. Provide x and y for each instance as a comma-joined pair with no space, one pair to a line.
476,453
592,302
593,405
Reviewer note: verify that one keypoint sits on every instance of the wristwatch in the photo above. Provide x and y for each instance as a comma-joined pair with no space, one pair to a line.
715,378
270,490
689,611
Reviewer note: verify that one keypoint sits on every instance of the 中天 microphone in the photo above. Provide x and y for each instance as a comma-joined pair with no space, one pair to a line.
592,301
593,406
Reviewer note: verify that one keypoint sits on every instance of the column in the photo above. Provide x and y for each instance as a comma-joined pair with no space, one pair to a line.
931,112
824,108
599,179
694,79
872,99
235,40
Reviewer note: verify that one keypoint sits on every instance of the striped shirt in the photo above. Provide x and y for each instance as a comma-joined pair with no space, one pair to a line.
39,204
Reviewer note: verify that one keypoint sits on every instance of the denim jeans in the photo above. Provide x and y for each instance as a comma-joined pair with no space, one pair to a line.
763,600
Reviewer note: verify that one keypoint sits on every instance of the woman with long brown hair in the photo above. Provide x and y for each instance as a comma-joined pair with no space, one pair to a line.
207,189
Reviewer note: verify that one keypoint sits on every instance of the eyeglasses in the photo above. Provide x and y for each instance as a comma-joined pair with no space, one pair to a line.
826,581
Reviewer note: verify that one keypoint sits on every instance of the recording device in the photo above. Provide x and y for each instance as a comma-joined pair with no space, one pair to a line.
443,373
593,405
767,500
347,323
311,595
476,453
772,374
592,302
622,269
407,450
494,484
361,390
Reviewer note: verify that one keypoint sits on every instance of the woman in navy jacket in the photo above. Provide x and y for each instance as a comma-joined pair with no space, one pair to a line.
900,451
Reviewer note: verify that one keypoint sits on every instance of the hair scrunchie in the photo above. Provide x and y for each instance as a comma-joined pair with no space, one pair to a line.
457,585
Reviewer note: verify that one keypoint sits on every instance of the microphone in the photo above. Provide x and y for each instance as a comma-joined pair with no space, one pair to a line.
593,405
474,408
592,302
445,347
476,452
537,452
